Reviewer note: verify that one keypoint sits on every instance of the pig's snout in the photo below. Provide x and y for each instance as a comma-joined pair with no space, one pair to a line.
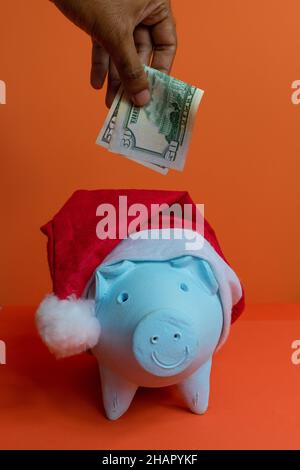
165,342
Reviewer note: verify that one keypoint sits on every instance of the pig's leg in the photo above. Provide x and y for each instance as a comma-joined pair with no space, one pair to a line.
117,393
195,389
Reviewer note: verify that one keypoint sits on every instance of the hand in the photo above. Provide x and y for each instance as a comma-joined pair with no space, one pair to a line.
125,35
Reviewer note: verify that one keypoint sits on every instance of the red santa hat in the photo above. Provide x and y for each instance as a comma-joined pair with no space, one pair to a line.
66,318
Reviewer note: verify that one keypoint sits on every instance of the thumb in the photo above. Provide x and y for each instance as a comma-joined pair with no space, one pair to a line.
131,71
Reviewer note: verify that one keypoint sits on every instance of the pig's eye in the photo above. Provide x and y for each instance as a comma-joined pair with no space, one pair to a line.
123,297
184,287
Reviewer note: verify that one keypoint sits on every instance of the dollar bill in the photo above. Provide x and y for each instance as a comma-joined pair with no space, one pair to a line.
157,135
105,136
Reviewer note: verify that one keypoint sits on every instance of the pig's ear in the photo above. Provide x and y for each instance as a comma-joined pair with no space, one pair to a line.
106,275
200,269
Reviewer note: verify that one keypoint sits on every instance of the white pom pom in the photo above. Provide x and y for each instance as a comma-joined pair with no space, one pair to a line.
68,326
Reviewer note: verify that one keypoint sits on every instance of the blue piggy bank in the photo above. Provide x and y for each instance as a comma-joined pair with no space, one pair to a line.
147,289
161,322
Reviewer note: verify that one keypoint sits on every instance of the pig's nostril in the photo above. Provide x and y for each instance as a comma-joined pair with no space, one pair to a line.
177,336
154,339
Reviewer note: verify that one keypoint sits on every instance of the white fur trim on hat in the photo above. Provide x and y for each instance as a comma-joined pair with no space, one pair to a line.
68,326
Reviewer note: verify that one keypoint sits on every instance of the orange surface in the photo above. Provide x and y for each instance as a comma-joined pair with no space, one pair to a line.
254,403
244,160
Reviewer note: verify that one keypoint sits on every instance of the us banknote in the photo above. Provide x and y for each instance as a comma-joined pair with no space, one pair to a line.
157,135
105,136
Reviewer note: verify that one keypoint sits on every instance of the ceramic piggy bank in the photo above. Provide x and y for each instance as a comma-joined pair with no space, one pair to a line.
153,308
160,325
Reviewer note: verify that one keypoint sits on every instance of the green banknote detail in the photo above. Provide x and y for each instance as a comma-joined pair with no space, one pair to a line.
169,106
166,115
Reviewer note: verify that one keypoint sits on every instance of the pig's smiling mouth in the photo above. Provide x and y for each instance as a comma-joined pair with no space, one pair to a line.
164,365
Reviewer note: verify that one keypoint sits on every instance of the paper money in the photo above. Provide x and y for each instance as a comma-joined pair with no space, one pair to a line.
105,136
157,135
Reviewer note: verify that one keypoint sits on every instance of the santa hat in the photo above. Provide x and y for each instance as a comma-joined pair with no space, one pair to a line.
66,318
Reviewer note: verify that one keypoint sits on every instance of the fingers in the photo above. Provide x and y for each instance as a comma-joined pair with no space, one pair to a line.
113,84
130,69
164,44
100,63
143,43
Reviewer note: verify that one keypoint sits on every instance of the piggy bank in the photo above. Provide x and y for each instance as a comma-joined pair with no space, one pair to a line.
160,325
152,307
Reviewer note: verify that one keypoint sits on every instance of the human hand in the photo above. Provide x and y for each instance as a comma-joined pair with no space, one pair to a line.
126,34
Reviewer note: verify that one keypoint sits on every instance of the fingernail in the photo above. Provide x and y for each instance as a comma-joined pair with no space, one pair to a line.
141,98
96,83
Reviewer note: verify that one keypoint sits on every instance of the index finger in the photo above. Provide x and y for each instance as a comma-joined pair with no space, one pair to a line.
164,44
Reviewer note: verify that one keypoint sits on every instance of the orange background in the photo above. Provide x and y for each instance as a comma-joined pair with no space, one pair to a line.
254,398
244,159
243,165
